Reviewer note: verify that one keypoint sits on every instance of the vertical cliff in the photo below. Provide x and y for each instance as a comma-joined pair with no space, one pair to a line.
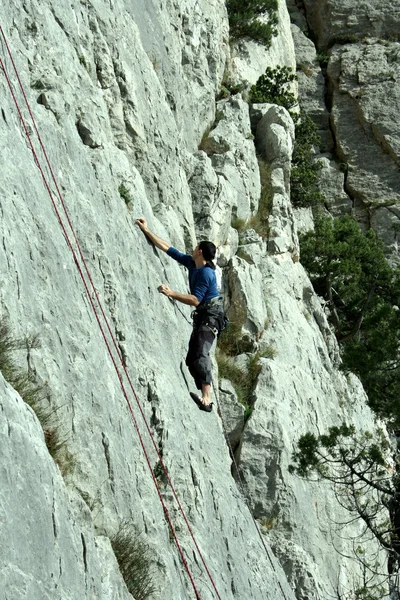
125,98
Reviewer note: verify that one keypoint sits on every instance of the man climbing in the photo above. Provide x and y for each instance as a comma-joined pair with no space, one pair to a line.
208,318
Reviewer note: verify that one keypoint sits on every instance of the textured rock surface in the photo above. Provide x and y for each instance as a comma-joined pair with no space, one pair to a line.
249,59
107,118
49,547
365,81
231,148
341,19
298,391
123,95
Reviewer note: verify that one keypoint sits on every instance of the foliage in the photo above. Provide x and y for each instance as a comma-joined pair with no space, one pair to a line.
243,379
229,87
244,19
230,342
33,394
274,87
357,464
134,562
125,194
348,268
305,170
260,221
323,58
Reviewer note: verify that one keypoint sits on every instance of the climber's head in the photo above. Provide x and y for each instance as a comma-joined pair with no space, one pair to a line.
205,250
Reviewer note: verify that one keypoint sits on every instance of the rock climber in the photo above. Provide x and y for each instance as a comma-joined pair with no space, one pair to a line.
208,318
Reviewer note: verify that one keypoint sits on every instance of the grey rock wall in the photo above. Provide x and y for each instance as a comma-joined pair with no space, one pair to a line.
49,546
107,119
344,20
364,79
123,95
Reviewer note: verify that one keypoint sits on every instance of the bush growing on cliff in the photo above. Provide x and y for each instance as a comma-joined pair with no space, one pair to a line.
305,172
133,558
244,19
357,465
274,87
243,379
348,268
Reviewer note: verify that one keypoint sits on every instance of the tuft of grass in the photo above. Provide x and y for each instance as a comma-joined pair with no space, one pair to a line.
134,561
238,224
243,379
125,194
84,62
230,341
34,394
260,221
323,58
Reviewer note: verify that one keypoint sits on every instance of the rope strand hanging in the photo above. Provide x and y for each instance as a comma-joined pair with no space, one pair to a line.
104,317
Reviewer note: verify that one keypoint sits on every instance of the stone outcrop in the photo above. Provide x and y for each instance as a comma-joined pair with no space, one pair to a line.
249,59
364,80
49,545
344,20
123,96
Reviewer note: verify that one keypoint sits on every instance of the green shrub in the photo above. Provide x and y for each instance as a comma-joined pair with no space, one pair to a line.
274,87
260,221
125,194
35,395
323,58
134,562
243,379
244,19
304,175
348,268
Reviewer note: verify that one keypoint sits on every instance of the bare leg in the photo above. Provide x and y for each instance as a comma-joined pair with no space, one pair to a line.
206,393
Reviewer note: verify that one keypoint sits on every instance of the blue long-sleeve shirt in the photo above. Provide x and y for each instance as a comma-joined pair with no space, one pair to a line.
202,280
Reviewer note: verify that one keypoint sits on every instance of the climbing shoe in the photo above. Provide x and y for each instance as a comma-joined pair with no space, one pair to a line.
197,400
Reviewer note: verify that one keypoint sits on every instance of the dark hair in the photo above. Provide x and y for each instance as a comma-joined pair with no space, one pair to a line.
209,250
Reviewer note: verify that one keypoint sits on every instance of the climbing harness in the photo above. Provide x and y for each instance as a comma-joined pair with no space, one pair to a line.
80,261
92,303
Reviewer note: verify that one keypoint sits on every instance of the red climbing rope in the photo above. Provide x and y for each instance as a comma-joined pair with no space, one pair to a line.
115,343
101,328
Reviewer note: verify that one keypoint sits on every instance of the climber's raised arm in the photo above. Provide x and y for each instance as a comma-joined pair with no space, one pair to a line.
155,239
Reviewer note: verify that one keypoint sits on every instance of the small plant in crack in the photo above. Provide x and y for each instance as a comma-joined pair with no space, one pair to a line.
34,394
125,194
134,560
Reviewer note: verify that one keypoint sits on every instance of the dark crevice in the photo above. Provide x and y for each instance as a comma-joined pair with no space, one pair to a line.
3,114
54,524
106,446
84,552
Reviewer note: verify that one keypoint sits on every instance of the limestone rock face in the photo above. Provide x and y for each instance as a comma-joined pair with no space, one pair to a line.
230,145
332,183
118,122
343,19
274,142
123,94
311,84
249,59
365,118
300,519
48,544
